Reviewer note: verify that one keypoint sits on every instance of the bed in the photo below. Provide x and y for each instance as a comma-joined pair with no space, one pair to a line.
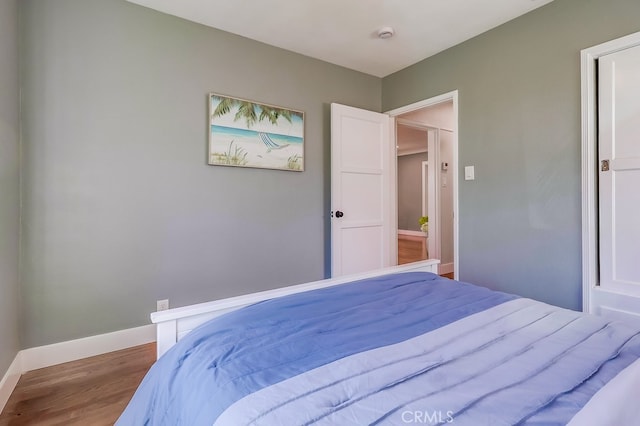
398,346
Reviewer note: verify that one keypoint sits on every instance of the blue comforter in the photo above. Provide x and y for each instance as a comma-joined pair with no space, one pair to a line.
397,349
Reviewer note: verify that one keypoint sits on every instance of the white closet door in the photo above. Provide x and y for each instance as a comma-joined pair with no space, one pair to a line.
619,175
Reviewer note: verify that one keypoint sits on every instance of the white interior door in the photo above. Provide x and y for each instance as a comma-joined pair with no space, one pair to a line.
361,170
619,175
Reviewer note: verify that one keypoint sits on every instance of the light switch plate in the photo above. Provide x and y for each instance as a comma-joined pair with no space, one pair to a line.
469,173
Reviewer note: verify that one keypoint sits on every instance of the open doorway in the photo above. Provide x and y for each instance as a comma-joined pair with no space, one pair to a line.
427,184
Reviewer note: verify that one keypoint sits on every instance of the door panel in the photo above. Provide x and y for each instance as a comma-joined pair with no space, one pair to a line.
360,189
353,240
619,194
363,197
362,146
626,227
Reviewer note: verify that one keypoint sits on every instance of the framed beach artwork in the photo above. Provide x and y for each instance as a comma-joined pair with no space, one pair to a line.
249,134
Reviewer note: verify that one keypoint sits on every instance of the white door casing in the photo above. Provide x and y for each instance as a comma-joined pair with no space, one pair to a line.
619,176
363,219
612,297
445,97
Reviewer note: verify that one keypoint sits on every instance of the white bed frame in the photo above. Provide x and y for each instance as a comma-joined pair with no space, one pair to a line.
173,324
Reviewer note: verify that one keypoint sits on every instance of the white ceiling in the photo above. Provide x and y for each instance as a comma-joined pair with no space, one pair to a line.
344,32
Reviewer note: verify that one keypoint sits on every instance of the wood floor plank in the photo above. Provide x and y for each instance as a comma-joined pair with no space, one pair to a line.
411,249
91,391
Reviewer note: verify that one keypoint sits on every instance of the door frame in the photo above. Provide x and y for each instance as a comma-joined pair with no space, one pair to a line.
445,97
588,76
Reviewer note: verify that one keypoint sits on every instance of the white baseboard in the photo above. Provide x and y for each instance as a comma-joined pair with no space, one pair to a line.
10,380
446,268
58,353
72,350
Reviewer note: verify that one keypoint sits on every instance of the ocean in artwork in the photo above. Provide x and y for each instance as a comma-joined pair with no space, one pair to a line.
250,148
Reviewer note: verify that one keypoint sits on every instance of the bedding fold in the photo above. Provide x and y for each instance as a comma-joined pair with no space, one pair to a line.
453,373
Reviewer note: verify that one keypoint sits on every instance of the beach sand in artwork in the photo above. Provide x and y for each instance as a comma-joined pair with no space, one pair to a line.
251,152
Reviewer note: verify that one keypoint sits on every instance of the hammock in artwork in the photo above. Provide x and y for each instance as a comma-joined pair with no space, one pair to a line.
270,143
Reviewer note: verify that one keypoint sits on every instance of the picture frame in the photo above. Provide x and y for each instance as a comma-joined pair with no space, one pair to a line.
245,133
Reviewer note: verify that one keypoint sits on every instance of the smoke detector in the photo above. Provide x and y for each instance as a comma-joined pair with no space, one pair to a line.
386,32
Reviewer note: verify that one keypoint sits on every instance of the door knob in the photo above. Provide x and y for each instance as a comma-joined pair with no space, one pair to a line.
339,214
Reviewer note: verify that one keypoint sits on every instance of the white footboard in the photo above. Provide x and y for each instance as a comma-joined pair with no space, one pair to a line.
173,324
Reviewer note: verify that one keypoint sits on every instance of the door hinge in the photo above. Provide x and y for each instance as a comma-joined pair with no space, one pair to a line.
604,165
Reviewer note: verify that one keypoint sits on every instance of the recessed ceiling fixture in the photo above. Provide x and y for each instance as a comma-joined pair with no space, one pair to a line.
385,32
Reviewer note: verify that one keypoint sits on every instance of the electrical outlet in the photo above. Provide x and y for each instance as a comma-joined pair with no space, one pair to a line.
162,305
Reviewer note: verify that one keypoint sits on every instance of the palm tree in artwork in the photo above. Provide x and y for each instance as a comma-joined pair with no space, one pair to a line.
249,111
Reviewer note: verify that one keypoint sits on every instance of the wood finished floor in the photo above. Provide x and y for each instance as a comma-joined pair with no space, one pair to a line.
412,249
91,391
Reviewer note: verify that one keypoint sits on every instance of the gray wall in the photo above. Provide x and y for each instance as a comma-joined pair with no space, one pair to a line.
119,206
410,190
9,183
519,117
